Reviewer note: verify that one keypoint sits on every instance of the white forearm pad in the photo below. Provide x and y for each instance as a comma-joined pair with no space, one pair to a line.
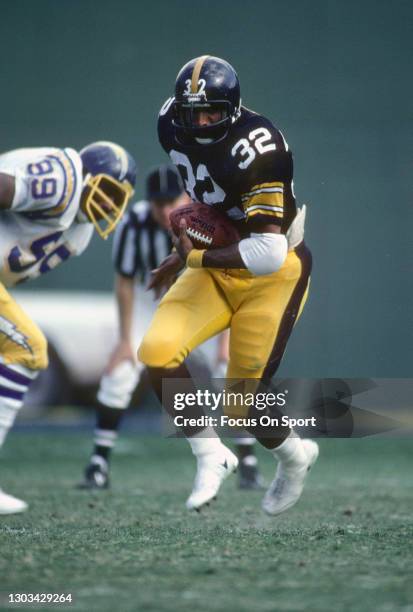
263,253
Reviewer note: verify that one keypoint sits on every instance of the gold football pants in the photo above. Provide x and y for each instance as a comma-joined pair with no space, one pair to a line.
21,341
259,310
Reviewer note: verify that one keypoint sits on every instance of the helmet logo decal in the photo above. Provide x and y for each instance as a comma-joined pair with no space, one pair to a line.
199,96
201,88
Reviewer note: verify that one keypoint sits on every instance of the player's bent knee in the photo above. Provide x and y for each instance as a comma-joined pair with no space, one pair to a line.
155,352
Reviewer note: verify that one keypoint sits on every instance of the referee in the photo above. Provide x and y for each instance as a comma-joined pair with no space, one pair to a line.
141,243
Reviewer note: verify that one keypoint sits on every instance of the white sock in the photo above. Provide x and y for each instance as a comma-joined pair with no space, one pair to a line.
205,442
14,382
291,451
8,414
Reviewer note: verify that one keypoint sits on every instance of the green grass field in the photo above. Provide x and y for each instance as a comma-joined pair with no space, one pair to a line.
346,546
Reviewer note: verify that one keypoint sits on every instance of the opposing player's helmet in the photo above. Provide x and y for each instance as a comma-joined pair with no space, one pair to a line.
110,176
206,83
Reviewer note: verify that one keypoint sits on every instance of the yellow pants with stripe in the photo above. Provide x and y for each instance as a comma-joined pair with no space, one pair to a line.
21,341
259,310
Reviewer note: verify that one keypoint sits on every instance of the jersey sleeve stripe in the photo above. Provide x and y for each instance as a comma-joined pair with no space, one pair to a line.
264,207
264,194
264,211
247,196
265,201
265,185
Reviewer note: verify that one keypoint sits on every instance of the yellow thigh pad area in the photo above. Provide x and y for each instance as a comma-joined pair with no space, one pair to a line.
192,311
21,341
260,311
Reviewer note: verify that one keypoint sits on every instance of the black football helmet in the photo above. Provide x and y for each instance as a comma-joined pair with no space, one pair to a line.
206,83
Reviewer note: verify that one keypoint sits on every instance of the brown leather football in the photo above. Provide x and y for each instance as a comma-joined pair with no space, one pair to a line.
207,227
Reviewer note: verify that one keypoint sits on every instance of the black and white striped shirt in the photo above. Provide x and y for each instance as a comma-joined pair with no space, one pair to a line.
139,244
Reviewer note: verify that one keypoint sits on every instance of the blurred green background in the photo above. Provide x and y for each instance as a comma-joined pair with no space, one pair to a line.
334,75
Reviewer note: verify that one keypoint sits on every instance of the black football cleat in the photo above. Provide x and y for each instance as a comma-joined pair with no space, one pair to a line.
96,476
249,477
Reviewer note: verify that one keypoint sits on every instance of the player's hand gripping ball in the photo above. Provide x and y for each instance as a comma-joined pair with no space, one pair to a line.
206,227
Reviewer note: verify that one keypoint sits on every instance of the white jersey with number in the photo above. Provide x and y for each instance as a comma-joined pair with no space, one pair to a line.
42,228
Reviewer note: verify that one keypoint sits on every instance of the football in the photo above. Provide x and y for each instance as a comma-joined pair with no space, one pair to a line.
207,227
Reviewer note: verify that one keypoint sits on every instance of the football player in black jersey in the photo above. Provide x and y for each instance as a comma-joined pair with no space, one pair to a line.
141,243
236,160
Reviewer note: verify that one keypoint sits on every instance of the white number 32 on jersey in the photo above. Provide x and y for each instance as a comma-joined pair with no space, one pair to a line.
258,142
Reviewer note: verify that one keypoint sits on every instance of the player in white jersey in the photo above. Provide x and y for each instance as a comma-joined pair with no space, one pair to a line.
51,200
